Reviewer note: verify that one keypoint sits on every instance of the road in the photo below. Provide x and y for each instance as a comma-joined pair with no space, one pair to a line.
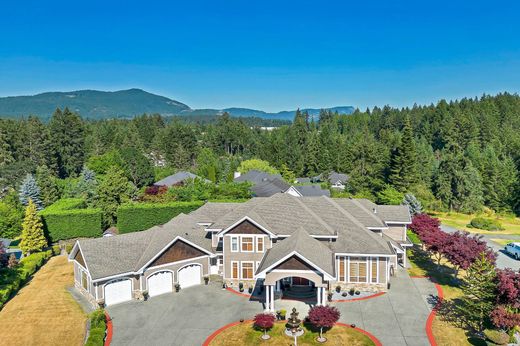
503,259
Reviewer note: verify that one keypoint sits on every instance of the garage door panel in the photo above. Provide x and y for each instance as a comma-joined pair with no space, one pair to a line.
190,276
118,292
160,283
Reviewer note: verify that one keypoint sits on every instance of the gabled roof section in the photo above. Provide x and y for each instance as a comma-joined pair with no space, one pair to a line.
178,178
362,214
300,244
394,213
211,211
312,190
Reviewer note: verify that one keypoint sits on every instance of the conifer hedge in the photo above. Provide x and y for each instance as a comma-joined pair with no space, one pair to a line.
132,217
70,218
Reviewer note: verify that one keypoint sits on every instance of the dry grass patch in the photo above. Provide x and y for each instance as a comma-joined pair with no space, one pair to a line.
460,221
44,312
246,334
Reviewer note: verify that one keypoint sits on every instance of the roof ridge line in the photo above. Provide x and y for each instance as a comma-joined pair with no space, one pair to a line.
311,212
372,215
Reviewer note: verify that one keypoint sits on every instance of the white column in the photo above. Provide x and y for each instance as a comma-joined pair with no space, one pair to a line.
267,300
318,295
278,285
323,296
272,297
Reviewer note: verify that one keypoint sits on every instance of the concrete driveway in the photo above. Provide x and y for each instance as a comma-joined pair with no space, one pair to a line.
190,316
504,260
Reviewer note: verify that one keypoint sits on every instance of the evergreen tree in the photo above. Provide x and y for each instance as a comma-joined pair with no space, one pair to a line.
403,165
287,174
29,190
414,205
114,190
37,145
33,238
46,181
5,150
137,167
207,163
479,292
312,156
68,140
87,186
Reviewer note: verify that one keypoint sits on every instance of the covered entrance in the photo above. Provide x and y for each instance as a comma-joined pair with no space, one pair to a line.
297,288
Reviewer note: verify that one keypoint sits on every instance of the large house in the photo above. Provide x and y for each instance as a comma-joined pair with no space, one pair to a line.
275,243
266,185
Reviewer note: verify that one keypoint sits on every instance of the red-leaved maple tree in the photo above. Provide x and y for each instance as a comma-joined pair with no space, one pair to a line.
323,317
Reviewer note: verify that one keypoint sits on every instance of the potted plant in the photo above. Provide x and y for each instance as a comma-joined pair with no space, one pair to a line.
250,289
329,296
206,280
352,291
338,288
241,287
177,287
283,312
224,286
145,295
344,294
358,293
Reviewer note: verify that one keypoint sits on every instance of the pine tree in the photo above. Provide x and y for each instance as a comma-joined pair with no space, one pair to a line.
479,292
33,238
414,205
29,190
312,156
87,186
6,156
68,140
403,165
114,190
46,181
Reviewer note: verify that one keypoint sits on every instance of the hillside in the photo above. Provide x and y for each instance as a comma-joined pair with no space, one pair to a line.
95,104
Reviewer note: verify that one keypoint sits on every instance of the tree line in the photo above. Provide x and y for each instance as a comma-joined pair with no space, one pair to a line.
458,155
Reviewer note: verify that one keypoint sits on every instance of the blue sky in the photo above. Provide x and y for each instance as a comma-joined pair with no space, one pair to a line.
270,55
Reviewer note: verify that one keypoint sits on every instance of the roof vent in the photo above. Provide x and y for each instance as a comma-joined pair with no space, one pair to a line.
374,210
186,233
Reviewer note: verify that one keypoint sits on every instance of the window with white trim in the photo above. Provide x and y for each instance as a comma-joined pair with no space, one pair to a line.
247,244
234,270
234,244
260,244
84,280
373,270
358,269
247,270
341,269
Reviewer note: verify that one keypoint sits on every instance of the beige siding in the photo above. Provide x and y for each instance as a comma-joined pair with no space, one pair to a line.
242,256
396,232
272,277
174,267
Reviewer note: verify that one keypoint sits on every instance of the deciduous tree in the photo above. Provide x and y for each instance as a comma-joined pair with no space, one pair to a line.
264,321
323,316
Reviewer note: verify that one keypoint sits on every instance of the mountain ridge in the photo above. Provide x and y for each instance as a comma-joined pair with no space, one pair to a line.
96,104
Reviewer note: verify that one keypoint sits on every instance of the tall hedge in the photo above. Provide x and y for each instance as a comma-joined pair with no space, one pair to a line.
134,217
70,218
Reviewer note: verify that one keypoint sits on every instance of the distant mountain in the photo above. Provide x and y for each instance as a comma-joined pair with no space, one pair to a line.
95,104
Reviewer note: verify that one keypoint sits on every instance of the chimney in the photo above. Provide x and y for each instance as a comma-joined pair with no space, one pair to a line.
236,175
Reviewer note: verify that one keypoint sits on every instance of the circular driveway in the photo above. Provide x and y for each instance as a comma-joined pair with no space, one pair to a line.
190,316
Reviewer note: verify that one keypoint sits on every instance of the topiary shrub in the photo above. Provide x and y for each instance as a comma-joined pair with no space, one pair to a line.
69,218
485,224
134,217
496,337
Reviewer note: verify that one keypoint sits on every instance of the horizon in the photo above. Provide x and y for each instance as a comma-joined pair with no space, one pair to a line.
266,56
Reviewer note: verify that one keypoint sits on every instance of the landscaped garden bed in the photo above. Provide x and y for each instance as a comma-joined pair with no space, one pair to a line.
246,334
346,295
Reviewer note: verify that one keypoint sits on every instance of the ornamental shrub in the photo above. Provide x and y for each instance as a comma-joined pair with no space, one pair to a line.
69,218
497,337
486,224
132,217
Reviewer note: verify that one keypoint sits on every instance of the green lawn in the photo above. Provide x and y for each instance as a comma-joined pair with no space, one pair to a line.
460,221
246,334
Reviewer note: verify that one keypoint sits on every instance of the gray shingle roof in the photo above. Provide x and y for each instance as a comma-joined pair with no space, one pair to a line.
335,177
177,178
130,252
394,213
264,184
311,190
302,243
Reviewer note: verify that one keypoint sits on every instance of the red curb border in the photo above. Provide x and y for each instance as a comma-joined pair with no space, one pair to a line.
232,324
238,293
433,313
358,299
110,330
372,337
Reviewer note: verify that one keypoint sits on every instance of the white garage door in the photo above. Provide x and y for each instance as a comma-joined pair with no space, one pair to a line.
160,283
190,276
118,292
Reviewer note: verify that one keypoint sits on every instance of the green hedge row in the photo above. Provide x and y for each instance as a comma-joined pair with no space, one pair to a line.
68,218
98,327
12,279
134,217
486,224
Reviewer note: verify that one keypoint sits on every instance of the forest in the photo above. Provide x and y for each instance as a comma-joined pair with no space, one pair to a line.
459,155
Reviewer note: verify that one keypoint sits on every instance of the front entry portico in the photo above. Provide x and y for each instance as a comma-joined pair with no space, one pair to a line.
275,282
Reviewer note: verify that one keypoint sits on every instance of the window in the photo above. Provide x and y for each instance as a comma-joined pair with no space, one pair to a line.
342,269
247,270
260,244
234,244
234,270
247,244
84,280
358,269
373,275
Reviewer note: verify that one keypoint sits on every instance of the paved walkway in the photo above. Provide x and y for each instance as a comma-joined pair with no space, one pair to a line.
190,316
503,259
